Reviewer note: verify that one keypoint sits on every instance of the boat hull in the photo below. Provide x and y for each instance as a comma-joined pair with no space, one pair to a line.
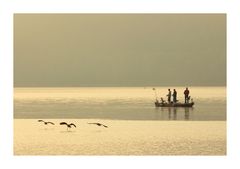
158,104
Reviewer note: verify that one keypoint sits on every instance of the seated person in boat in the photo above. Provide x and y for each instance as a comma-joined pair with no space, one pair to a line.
163,101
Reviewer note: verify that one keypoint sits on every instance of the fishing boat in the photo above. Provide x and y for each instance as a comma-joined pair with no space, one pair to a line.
165,104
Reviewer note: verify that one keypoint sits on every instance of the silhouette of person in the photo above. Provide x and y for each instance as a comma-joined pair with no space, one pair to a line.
169,95
186,94
174,96
163,101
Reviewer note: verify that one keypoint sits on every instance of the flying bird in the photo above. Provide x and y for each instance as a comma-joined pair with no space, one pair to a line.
68,125
46,122
99,124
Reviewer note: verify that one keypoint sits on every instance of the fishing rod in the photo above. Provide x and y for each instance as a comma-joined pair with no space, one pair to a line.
155,93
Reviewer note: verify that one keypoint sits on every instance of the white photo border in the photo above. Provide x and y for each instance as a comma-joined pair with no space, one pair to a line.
10,7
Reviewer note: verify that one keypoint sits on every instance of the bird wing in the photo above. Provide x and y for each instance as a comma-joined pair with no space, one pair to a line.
50,123
63,123
105,126
92,123
73,125
99,124
40,121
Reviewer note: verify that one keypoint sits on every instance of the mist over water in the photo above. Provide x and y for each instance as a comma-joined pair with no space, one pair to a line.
130,103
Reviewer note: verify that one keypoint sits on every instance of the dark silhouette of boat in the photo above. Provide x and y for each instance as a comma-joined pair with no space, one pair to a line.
165,104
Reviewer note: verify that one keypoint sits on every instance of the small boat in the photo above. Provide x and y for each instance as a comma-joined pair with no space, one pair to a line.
164,104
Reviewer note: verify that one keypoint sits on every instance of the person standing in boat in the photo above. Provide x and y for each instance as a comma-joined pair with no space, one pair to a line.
169,95
186,94
174,96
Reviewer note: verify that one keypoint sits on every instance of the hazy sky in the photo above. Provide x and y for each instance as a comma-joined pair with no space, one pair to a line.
119,49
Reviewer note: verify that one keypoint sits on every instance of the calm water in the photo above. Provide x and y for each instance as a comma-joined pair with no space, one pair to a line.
132,103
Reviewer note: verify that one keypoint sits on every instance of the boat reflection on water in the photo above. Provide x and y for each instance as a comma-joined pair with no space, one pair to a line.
176,113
